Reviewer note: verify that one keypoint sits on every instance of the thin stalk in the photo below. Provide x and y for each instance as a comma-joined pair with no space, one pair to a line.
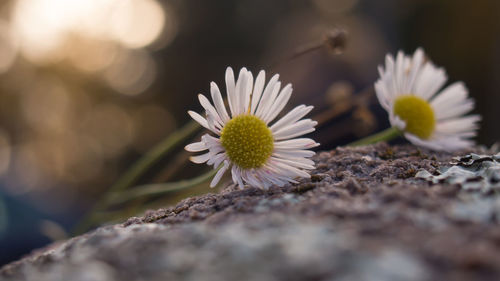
385,135
142,192
160,188
155,154
138,169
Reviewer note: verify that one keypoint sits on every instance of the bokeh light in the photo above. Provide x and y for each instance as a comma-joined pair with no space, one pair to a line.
44,27
47,106
137,23
64,64
111,126
8,47
131,73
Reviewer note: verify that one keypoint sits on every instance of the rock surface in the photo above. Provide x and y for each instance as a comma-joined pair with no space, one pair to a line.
362,216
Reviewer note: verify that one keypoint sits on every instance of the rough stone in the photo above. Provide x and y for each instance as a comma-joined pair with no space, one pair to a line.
363,215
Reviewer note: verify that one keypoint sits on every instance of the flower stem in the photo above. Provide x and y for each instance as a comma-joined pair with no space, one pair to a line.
385,135
156,189
142,192
138,169
155,154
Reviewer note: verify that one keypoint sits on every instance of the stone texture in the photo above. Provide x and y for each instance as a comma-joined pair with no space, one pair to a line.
362,216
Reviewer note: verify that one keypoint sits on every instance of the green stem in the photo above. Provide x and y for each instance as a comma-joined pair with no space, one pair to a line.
385,135
156,189
138,169
143,191
155,154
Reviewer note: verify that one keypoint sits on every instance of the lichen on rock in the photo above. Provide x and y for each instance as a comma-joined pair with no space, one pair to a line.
470,172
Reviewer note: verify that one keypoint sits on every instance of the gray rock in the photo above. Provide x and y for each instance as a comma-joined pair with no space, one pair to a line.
362,216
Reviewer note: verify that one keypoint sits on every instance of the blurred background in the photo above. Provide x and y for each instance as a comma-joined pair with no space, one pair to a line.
88,86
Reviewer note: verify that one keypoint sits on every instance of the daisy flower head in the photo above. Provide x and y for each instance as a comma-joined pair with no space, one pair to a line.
245,140
409,89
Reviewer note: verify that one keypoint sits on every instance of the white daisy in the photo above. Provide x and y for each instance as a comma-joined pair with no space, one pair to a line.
408,90
258,154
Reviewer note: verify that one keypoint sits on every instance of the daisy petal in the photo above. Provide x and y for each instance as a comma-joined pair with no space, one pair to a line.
219,102
240,92
209,107
257,91
296,143
236,174
195,147
415,67
291,117
452,102
294,130
279,104
200,158
231,90
198,118
429,81
295,164
383,95
248,92
456,125
219,174
269,101
266,95
283,153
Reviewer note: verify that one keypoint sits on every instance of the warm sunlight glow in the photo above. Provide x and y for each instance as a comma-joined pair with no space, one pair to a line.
137,23
8,47
44,27
128,80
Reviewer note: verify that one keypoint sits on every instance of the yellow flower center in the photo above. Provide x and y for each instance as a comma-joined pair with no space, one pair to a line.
248,141
418,115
